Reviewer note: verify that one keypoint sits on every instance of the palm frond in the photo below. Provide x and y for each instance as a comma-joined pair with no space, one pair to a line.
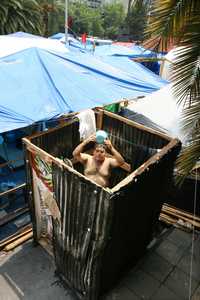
179,21
168,18
190,154
15,15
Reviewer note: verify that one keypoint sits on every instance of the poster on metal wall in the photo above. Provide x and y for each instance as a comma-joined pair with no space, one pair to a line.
44,202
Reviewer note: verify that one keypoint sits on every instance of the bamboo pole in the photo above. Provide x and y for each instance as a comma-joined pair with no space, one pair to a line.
175,216
21,186
15,236
19,241
10,162
175,211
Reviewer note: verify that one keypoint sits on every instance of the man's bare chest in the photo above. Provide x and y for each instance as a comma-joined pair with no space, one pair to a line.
93,168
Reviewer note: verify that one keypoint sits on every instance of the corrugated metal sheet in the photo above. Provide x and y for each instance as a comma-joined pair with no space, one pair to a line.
83,232
125,137
100,232
61,141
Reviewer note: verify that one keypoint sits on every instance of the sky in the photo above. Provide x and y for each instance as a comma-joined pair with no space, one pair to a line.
125,2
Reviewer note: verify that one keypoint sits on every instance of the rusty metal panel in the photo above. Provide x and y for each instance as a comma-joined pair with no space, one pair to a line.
125,137
61,141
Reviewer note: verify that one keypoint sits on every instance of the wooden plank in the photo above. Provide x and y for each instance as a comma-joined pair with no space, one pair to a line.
176,216
183,222
36,150
68,120
175,211
99,124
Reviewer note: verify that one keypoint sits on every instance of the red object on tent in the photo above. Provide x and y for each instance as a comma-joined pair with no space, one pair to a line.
70,21
84,37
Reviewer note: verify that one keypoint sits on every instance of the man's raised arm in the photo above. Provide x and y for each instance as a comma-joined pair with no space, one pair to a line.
118,159
77,153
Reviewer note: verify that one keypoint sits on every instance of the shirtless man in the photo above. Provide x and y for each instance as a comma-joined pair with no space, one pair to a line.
98,166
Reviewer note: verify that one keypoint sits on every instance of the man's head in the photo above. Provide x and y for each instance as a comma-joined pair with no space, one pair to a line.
99,153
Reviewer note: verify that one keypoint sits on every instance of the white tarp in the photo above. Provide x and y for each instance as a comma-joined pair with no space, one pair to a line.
161,107
168,63
11,44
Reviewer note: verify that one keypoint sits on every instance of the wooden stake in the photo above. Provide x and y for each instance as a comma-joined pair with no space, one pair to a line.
19,241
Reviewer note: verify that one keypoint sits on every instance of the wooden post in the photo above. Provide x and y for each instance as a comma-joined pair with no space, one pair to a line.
100,114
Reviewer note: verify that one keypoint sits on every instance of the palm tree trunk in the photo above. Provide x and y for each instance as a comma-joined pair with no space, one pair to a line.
46,23
129,6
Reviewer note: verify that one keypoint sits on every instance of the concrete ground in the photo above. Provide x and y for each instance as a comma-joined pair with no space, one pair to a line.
163,274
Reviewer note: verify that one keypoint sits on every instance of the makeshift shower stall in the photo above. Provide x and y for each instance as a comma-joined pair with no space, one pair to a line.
97,233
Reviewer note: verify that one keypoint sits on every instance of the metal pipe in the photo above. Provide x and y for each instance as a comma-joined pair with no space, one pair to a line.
66,22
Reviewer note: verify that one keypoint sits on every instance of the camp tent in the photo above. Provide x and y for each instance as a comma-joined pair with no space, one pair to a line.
38,85
117,50
12,44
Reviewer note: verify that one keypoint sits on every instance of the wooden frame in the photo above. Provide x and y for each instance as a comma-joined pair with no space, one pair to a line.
94,219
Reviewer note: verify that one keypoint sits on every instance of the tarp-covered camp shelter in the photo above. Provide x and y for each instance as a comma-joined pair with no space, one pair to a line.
40,84
138,53
122,51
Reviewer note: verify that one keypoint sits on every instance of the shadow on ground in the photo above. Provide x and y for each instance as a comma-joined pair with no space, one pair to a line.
164,273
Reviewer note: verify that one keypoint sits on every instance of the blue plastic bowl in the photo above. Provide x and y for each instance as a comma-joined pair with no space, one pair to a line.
101,135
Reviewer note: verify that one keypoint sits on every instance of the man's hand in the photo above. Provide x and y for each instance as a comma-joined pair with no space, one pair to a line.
91,138
108,144
118,159
77,153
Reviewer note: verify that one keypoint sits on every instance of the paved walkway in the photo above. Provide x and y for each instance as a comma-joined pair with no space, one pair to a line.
163,274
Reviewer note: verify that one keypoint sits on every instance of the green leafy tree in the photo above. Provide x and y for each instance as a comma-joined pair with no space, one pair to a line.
130,2
137,17
180,21
19,15
85,19
113,19
53,15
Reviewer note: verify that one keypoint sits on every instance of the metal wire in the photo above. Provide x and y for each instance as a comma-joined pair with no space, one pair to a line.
193,238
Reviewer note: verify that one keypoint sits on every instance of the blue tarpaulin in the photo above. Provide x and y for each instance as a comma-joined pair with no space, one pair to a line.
57,36
38,85
122,51
24,35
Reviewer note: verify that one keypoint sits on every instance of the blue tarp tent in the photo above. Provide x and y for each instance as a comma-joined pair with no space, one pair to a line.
137,70
57,36
38,85
134,52
122,51
25,35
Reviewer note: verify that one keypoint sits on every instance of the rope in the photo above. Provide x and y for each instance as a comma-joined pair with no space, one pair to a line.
193,237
